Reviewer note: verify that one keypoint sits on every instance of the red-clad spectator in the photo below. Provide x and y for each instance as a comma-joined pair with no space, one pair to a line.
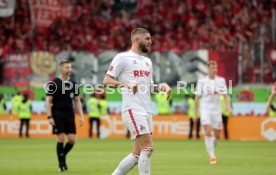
101,25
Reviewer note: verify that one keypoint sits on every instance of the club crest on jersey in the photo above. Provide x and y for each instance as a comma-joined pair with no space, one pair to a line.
147,64
134,62
142,128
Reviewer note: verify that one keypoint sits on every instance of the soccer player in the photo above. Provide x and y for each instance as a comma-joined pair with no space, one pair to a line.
208,91
133,73
61,92
270,99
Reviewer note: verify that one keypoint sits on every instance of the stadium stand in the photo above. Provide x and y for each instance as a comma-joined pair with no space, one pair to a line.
97,26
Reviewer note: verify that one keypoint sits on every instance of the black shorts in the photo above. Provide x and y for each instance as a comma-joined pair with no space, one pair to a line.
64,123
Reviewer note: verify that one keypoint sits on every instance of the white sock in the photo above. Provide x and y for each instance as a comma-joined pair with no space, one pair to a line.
144,161
209,144
126,164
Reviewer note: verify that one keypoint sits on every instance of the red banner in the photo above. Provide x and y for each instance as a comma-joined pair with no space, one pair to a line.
17,70
227,65
45,12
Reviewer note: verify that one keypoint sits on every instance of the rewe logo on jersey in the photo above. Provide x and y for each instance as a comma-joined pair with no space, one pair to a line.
141,73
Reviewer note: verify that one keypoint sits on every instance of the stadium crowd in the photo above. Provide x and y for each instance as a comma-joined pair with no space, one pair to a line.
175,25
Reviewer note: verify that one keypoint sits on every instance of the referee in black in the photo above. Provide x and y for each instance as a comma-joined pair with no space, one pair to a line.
61,93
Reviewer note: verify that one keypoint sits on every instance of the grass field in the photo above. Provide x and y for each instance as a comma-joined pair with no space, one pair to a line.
171,157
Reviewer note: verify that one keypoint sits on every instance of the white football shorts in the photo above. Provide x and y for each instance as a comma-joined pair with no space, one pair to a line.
137,124
210,118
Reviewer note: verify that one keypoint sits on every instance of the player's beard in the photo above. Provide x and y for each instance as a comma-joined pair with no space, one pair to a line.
143,48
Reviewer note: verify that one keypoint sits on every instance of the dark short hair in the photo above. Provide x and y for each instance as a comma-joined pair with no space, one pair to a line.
62,62
138,31
211,63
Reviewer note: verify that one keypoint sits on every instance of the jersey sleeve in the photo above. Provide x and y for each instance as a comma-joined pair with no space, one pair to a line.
151,70
115,67
198,90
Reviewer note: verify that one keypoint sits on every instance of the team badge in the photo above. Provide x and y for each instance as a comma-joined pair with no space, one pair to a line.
142,128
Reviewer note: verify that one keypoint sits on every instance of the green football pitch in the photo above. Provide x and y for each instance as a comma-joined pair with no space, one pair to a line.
171,157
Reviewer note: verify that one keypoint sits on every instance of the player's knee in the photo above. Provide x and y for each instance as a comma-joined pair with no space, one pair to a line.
208,134
147,150
72,141
217,136
60,138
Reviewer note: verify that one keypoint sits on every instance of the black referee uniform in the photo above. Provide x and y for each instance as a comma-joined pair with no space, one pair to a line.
62,106
63,93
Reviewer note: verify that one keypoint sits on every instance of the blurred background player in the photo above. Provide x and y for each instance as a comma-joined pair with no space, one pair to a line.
134,71
208,90
270,108
59,105
191,113
103,104
94,113
163,105
15,101
3,106
25,113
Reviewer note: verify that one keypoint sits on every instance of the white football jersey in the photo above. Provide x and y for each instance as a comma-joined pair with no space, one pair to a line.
210,91
130,67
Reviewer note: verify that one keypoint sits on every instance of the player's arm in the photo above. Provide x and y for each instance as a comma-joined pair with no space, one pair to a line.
226,97
198,92
228,103
269,102
111,82
197,98
78,104
48,103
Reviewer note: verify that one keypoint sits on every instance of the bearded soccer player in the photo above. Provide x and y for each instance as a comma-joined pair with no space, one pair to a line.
208,91
132,72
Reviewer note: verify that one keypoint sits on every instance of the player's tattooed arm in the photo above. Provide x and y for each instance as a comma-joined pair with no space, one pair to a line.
111,82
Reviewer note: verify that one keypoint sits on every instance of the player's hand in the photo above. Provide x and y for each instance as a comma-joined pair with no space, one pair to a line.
51,121
133,87
166,88
81,120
